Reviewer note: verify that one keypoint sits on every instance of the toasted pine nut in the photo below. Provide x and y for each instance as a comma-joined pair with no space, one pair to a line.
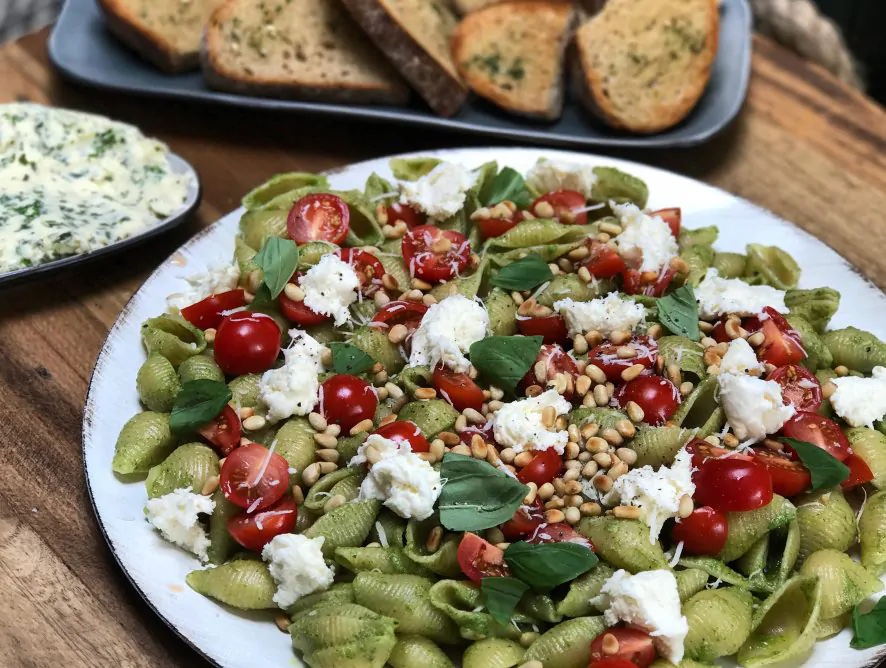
730,441
589,430
361,426
603,459
254,423
627,455
424,393
655,331
828,389
626,428
210,485
328,454
612,437
462,449
632,372
474,416
554,515
478,447
590,469
398,333
546,491
686,506
317,421
282,622
626,512
572,474
626,352
610,644
522,459
620,336
590,509
334,502
294,292
298,495
603,483
601,397
572,515
617,471
596,444
572,450
529,499
325,440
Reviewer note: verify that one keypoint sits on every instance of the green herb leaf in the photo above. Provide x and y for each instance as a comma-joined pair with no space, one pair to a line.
869,628
524,274
679,313
501,596
544,566
277,259
197,403
262,299
349,359
826,470
476,495
504,360
508,184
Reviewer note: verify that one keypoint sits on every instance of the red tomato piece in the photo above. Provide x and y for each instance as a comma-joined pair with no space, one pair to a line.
400,312
818,430
524,522
859,472
603,260
208,312
495,227
542,468
781,344
299,313
703,533
559,532
673,217
368,268
563,205
319,217
398,212
701,451
732,485
556,361
485,431
651,285
552,328
789,478
246,342
435,255
718,333
254,531
458,388
480,559
634,647
606,356
224,431
346,400
405,431
612,663
657,396
254,477
799,387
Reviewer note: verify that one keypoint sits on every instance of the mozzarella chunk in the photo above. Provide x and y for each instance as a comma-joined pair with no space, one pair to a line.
721,296
296,563
447,331
649,600
330,287
740,358
519,425
384,447
656,493
550,175
441,192
604,314
403,481
754,407
647,235
176,517
861,401
292,389
218,278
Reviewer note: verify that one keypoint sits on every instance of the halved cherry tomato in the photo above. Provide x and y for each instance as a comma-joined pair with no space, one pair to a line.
603,260
346,400
299,313
403,212
638,283
606,356
208,312
486,431
818,430
480,559
254,531
405,431
319,217
565,204
859,472
254,477
703,533
524,522
732,485
701,451
400,312
551,327
789,478
367,267
559,532
799,387
673,217
246,342
542,468
612,663
634,647
657,396
224,431
556,361
781,344
458,388
435,255
718,333
495,227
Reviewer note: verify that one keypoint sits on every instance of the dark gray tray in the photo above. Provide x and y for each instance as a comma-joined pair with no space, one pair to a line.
83,50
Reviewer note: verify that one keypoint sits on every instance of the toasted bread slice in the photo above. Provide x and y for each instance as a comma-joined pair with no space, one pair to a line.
644,64
306,49
415,35
165,32
490,50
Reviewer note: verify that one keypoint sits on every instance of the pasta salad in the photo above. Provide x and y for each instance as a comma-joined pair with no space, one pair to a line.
482,418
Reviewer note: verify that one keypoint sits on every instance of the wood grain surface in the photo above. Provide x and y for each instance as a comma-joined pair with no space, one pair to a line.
806,147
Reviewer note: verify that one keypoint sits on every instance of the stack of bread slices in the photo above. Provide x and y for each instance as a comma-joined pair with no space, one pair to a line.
637,65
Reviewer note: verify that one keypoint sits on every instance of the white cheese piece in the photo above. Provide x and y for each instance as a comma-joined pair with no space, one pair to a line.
647,235
656,493
384,446
296,563
650,601
740,358
175,516
604,314
403,481
518,424
292,389
550,175
447,331
218,278
721,296
441,192
861,401
754,407
330,288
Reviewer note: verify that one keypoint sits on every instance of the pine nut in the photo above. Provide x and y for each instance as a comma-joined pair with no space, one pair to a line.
381,299
326,357
590,509
730,441
572,487
617,471
435,536
438,449
708,342
686,506
579,253
590,470
555,502
554,515
462,449
317,421
626,428
589,430
632,372
209,334
596,444
626,352
828,389
603,459
441,244
398,333
573,464
543,210
425,393
246,412
572,474
507,455
620,336
601,397
282,622
529,499
419,284
478,447
328,454
627,455
572,515
492,455
595,373
310,475
546,491
333,430
756,339
686,388
254,423
522,459
294,292
602,483
389,282
474,416
678,264
334,502
611,436
841,370
325,440
612,229
548,416
361,426
585,274
427,456
210,485
461,423
610,644
626,512
412,295
584,456
704,326
571,451
594,338
449,438
579,345
654,331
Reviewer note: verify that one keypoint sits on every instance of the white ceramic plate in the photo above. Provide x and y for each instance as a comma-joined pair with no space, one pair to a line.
157,569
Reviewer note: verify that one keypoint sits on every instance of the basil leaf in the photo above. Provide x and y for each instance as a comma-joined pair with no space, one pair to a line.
349,359
679,313
508,184
198,402
547,565
826,470
524,274
501,596
262,299
504,360
277,259
476,495
868,629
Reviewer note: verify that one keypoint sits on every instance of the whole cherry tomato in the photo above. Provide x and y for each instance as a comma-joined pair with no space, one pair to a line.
703,533
657,396
405,431
634,647
457,388
254,477
544,466
728,484
818,430
480,559
246,342
799,387
346,400
254,531
319,217
435,255
209,312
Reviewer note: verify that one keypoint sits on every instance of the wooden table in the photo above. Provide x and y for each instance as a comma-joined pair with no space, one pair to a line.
805,147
